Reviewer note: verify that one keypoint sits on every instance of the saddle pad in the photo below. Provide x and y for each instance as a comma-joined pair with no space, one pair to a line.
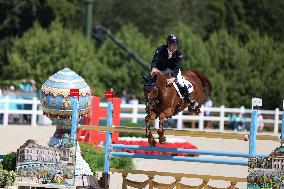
187,83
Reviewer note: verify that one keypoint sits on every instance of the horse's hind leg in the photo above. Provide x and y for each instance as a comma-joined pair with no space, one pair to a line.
148,133
162,138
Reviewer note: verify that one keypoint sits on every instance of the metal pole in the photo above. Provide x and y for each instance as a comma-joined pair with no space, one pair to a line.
107,146
253,131
89,17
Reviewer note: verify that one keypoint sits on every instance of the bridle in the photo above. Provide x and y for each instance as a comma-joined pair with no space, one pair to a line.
151,103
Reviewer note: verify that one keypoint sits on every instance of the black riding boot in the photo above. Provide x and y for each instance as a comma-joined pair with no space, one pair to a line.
184,91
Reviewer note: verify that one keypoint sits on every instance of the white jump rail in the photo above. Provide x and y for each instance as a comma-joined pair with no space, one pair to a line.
136,112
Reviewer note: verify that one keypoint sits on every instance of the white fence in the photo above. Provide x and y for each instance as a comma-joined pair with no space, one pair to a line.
135,112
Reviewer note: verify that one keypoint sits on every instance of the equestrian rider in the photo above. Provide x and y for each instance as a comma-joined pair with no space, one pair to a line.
167,59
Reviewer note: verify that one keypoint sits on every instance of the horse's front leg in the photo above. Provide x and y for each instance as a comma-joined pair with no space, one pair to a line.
148,133
162,138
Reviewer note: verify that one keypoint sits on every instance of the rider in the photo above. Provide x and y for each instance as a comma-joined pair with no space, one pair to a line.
167,59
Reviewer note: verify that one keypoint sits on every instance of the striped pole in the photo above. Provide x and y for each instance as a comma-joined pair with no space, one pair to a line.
253,131
108,146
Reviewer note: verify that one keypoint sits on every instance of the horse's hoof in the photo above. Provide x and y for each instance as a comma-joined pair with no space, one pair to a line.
152,142
162,140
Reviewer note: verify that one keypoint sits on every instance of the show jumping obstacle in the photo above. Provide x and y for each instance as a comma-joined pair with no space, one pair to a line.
118,147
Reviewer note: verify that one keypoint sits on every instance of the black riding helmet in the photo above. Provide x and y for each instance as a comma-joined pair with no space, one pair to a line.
171,39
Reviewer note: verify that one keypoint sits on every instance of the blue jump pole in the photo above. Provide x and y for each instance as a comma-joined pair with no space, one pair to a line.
253,131
107,146
118,147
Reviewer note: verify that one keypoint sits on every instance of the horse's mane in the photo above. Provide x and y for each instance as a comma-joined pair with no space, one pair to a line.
205,82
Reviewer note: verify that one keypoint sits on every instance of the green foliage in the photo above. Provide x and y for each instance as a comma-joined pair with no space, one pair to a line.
122,163
9,161
19,16
42,52
266,17
6,177
95,158
267,63
120,72
158,18
228,57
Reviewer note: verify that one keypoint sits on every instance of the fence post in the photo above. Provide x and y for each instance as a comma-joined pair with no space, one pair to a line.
34,111
6,111
201,119
135,112
276,121
222,118
179,120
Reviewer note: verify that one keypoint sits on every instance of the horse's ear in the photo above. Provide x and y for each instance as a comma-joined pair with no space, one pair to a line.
155,77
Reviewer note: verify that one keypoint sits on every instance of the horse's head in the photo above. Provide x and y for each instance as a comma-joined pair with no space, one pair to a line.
150,91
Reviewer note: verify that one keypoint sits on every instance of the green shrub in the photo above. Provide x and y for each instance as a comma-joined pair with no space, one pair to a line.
122,163
95,158
133,125
9,161
6,177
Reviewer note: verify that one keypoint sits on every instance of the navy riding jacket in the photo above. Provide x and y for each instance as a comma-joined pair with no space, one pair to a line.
162,62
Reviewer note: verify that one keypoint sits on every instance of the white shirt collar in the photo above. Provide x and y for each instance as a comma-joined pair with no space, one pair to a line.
170,53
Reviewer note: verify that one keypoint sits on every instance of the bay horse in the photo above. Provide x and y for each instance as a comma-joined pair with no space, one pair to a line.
163,101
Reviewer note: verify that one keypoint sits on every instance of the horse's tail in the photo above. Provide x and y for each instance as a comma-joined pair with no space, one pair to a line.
205,83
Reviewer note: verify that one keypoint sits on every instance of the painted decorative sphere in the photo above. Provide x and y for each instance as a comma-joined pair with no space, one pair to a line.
56,100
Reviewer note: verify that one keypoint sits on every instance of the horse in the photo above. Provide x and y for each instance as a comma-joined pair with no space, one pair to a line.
163,101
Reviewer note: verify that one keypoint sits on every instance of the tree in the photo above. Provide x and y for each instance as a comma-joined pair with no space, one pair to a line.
42,52
121,72
267,63
232,61
19,16
266,17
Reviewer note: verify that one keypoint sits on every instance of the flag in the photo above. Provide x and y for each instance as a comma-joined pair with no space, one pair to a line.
256,102
74,92
108,94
